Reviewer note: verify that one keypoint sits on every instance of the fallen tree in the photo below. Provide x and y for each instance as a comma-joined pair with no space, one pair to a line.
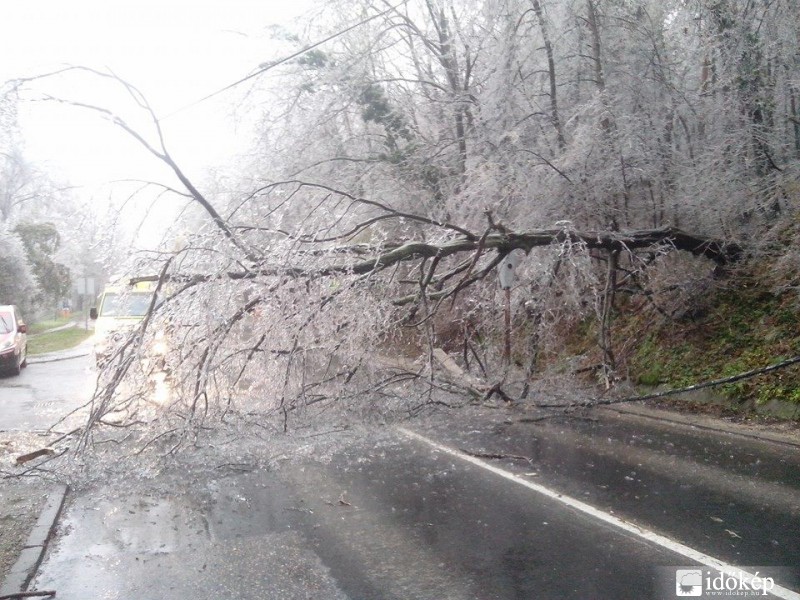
310,354
389,254
275,313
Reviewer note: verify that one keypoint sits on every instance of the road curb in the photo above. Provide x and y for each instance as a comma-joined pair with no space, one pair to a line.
82,349
45,358
32,554
706,423
59,328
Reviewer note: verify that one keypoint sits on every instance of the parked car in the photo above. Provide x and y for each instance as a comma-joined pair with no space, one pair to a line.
13,340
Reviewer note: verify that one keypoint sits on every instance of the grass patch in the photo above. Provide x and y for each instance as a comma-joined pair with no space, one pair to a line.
45,325
57,340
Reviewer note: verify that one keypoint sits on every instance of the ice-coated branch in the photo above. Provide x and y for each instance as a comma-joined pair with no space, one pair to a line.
388,255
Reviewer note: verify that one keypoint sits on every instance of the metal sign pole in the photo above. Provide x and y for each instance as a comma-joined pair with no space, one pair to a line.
507,278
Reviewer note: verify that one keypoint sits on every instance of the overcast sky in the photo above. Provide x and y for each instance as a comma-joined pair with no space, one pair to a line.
174,51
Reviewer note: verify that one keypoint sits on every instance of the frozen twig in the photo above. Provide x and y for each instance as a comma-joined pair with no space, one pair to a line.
33,594
497,456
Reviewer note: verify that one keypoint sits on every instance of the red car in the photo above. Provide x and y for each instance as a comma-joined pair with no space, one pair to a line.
13,340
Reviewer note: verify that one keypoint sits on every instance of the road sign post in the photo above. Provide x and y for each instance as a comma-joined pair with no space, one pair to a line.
508,277
84,286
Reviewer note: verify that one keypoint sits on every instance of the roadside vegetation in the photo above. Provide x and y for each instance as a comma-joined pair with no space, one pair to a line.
747,320
42,326
55,341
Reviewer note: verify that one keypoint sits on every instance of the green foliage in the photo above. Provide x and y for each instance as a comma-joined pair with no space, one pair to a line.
55,341
41,326
17,284
41,242
777,391
743,328
376,108
315,59
656,363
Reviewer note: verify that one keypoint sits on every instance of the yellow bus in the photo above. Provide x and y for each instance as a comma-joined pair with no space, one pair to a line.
120,308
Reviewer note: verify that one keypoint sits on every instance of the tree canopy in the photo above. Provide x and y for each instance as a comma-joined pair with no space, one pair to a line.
41,242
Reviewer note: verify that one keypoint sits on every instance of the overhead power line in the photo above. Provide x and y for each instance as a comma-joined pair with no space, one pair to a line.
266,67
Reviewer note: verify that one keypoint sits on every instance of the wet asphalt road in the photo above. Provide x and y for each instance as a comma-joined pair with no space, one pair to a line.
44,392
397,517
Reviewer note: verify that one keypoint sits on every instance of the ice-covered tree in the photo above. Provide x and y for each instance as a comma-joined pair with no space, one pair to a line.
17,284
403,159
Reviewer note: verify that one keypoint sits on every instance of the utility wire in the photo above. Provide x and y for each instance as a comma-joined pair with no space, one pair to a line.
264,68
698,386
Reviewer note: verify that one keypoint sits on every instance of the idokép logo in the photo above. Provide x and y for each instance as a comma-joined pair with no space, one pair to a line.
699,582
689,582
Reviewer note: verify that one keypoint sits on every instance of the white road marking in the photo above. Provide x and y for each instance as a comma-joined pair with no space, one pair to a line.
651,536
